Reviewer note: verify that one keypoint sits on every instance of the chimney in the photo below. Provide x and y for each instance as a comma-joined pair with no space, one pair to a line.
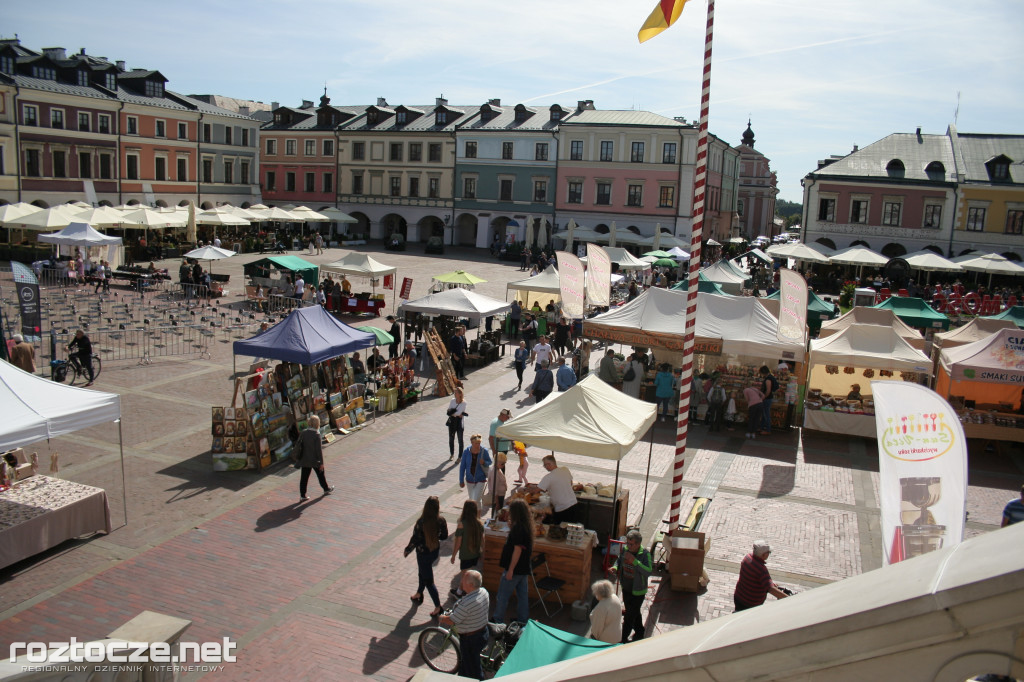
919,139
121,65
381,102
306,104
275,105
440,101
494,102
55,53
82,52
855,148
243,109
584,104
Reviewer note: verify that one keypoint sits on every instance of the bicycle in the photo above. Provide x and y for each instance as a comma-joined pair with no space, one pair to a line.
71,370
439,647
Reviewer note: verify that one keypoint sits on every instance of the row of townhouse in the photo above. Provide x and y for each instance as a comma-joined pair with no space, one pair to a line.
949,193
81,127
472,174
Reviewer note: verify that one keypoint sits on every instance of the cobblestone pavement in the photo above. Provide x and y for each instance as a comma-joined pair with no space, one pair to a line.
321,590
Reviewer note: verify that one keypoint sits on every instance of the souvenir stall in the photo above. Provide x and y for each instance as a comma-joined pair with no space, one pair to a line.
364,267
276,274
977,329
269,407
983,382
735,336
590,419
856,355
38,512
878,316
539,289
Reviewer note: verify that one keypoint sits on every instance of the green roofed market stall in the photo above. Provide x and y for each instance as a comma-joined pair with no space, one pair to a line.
1014,313
704,286
542,645
309,272
915,312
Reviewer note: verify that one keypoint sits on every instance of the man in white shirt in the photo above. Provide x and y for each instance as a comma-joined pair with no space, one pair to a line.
469,615
542,351
557,483
216,242
300,286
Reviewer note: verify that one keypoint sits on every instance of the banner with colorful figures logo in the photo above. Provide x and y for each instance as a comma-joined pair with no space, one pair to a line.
922,470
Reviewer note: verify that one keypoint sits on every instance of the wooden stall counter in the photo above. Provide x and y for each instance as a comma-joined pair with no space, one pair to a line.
596,512
569,562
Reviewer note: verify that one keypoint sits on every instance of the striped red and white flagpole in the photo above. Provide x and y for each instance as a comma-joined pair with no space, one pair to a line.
699,181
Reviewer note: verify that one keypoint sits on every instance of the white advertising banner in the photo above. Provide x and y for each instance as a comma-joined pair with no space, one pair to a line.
599,276
922,470
792,306
570,284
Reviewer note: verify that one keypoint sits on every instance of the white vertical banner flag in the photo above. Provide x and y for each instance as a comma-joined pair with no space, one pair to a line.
570,285
792,306
922,470
599,276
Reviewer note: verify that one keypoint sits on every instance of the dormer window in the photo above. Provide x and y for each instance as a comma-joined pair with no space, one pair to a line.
935,170
45,73
111,81
441,118
6,64
154,89
402,117
520,115
895,169
83,78
556,115
371,117
999,168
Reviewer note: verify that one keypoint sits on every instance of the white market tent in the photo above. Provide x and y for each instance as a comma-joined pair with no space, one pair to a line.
624,259
591,419
727,276
456,303
362,265
930,261
858,255
986,371
812,253
536,288
977,329
879,316
79,234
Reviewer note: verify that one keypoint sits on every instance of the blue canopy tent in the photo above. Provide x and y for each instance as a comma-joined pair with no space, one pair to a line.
307,336
542,645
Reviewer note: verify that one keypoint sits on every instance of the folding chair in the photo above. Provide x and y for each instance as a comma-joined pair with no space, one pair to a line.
547,585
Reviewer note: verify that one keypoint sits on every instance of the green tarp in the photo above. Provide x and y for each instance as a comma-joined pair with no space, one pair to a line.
1015,313
816,307
704,286
309,272
542,645
915,312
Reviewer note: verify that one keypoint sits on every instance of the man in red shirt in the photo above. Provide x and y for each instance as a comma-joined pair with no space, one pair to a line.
755,584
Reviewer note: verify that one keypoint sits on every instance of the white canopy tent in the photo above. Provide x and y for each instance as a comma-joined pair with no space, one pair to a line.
84,236
812,253
930,261
456,302
727,275
37,409
879,316
591,419
362,265
624,259
544,284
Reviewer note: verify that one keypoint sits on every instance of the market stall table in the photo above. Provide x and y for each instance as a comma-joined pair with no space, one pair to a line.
568,562
42,512
360,306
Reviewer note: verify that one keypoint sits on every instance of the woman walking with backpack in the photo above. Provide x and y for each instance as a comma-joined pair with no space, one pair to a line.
717,399
664,389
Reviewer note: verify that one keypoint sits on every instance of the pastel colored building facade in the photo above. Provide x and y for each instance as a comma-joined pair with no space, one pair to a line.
505,173
758,188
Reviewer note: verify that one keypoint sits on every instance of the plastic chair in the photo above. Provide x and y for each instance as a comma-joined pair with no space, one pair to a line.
547,585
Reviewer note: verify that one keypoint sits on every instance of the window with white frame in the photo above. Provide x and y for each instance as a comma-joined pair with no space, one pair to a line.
310,182
434,187
182,130
208,170
932,215
328,182
110,80
667,196
859,210
33,167
60,163
161,128
106,166
576,150
470,149
415,151
160,168
396,153
271,184
243,172
469,188
541,152
84,165
290,146
154,89
434,152
309,148
505,188
604,193
103,124
635,195
826,209
358,151
328,147
182,175
607,150
132,125
396,185
29,115
289,182
1015,221
575,195
892,211
271,147
229,172
636,153
56,118
668,152
357,182
131,166
540,191
976,218
414,186
229,134
506,150
83,78
83,121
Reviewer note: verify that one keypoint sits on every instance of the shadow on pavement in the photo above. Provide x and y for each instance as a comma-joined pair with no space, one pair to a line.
278,517
777,481
198,478
672,608
387,649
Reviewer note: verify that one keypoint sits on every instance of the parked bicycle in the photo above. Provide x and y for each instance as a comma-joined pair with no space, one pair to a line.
439,647
72,371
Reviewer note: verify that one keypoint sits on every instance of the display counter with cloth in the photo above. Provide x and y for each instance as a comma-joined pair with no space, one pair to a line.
568,561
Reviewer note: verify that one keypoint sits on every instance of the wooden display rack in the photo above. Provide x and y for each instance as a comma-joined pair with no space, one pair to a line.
446,377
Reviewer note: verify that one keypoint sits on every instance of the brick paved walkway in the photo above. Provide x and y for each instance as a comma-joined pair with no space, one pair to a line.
320,590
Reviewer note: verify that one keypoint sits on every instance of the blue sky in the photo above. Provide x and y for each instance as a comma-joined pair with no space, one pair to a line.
815,78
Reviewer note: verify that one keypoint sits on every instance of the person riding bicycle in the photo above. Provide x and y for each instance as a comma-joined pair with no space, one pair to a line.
469,615
84,352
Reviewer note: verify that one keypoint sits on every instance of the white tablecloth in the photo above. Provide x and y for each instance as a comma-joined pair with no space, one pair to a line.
42,512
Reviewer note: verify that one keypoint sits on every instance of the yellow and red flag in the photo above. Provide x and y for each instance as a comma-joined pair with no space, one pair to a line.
663,16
